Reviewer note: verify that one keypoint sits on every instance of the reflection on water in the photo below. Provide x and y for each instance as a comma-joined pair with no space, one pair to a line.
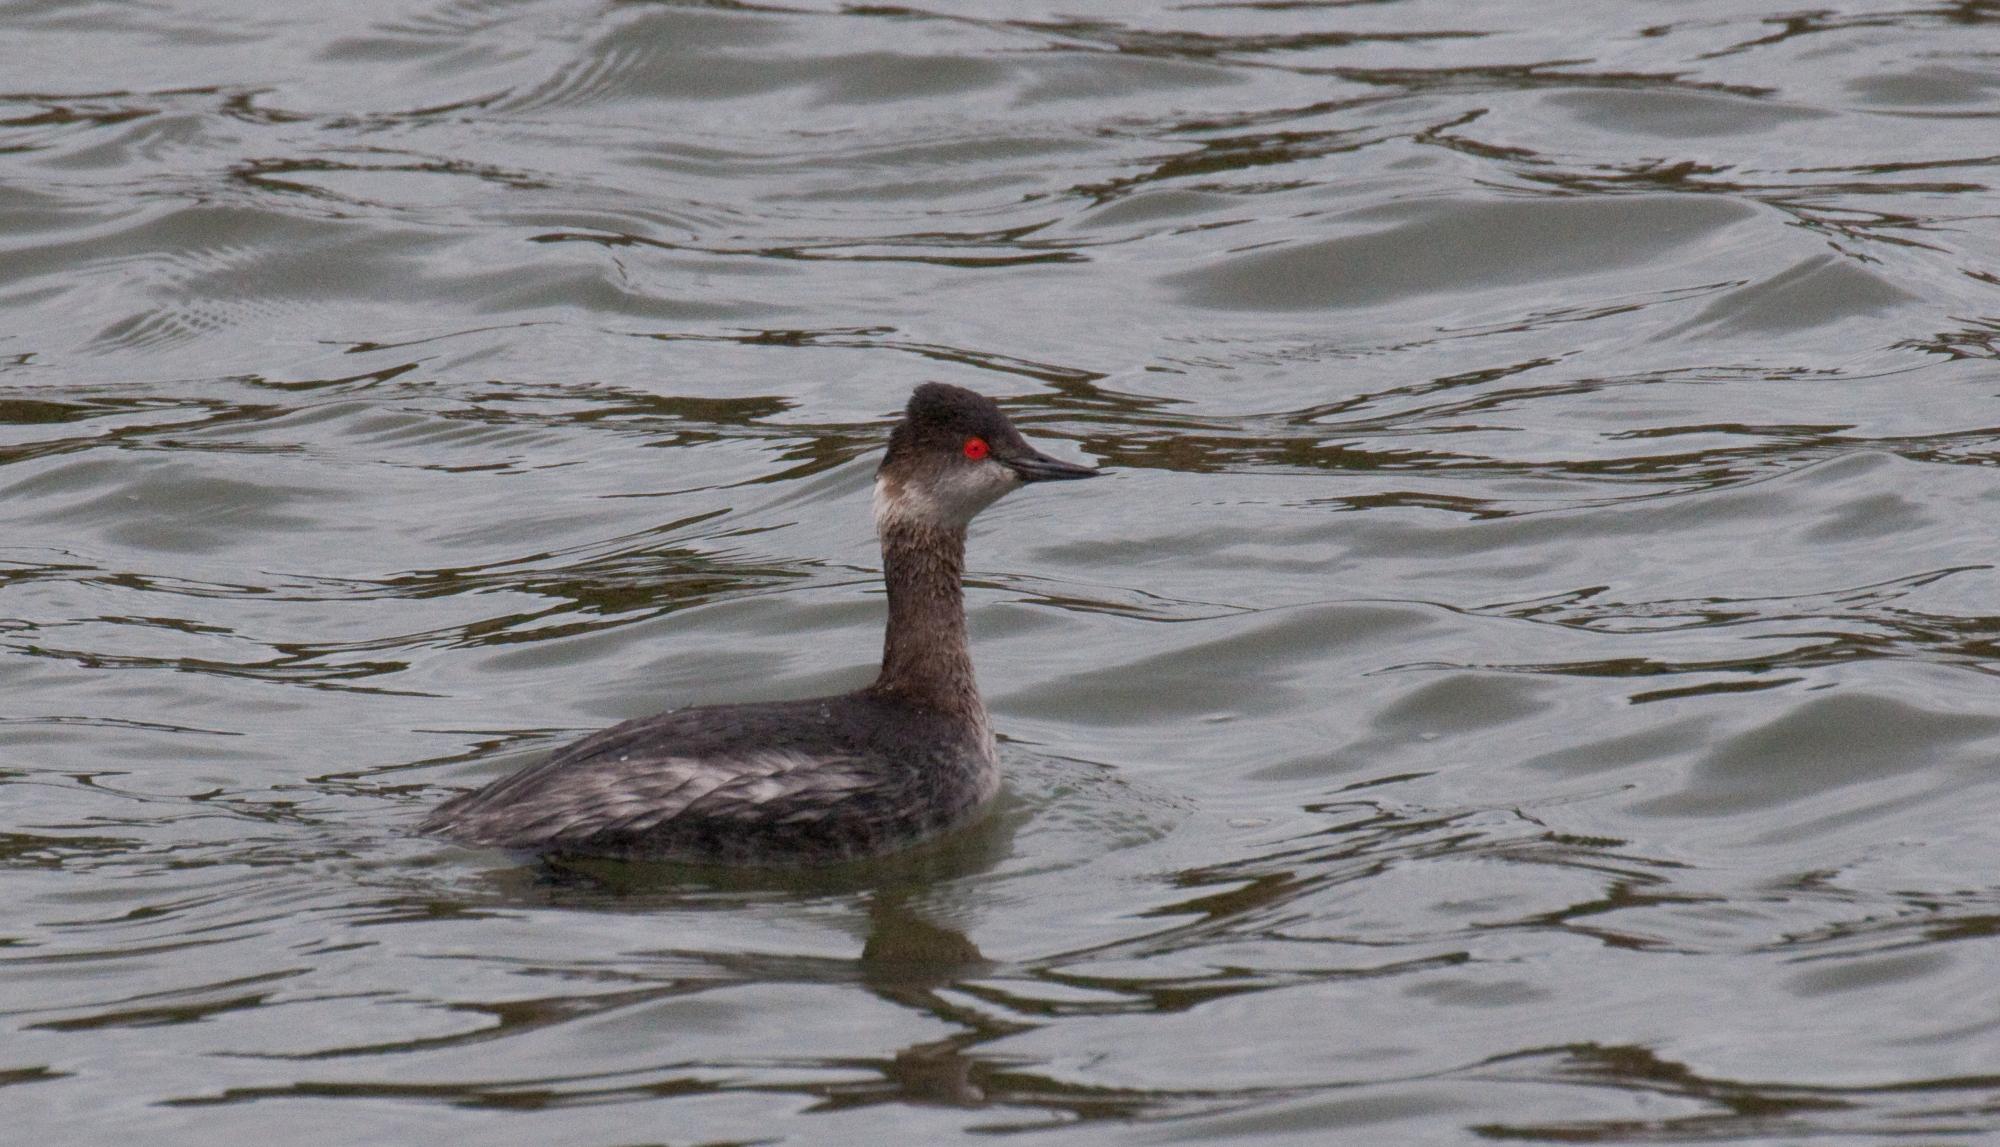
1528,676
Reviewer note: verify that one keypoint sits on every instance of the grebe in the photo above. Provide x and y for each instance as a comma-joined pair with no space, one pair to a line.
824,779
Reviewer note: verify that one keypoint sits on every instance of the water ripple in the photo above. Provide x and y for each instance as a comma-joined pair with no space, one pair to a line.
1527,674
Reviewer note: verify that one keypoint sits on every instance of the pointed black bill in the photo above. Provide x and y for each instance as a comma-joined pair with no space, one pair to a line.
1035,466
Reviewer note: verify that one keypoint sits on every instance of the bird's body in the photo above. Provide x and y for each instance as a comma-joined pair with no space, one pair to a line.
810,781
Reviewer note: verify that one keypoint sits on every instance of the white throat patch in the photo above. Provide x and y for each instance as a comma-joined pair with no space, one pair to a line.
948,504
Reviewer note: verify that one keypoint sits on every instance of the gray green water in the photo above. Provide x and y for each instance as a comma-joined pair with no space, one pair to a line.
1531,677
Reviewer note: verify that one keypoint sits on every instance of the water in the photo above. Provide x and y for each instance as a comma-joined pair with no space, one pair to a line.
1530,676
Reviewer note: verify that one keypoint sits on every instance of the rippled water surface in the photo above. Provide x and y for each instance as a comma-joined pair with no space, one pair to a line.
1531,675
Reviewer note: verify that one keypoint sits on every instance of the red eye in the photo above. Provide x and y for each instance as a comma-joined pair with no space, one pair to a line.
976,448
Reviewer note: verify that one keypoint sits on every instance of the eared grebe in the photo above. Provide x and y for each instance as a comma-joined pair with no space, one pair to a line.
820,780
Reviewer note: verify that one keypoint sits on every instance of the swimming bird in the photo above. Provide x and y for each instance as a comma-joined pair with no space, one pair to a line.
825,779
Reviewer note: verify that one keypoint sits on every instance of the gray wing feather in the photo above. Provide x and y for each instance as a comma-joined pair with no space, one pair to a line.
613,796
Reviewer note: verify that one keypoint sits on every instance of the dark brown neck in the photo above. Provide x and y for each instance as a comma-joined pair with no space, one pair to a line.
925,659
